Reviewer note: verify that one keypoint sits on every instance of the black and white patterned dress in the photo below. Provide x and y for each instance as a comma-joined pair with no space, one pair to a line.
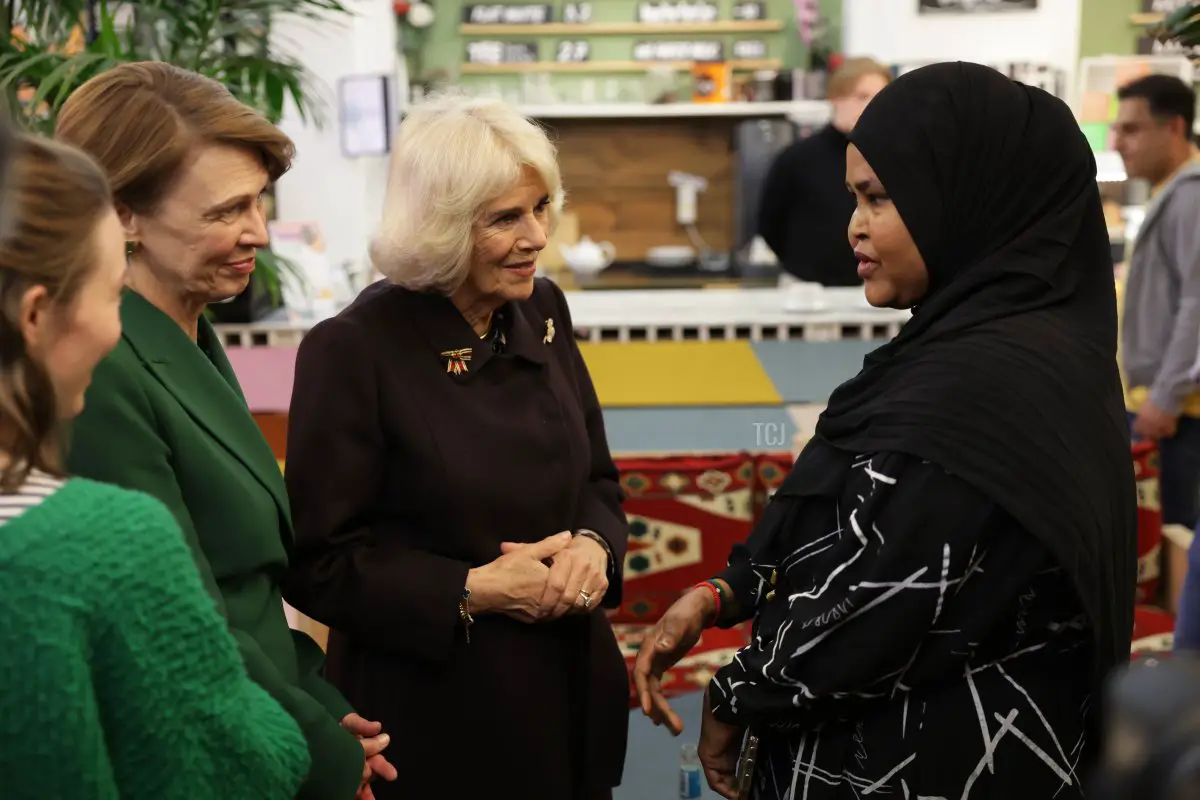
916,644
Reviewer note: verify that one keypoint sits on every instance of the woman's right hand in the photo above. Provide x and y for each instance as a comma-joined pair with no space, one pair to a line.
667,642
515,583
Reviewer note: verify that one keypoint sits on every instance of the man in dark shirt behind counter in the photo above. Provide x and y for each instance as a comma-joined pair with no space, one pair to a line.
805,207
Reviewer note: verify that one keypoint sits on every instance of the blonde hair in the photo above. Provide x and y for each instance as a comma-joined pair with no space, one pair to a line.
56,198
453,155
141,120
846,77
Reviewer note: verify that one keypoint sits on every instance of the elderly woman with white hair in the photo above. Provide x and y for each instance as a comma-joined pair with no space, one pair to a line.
457,512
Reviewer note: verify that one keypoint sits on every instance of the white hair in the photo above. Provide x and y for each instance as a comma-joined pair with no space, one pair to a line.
452,157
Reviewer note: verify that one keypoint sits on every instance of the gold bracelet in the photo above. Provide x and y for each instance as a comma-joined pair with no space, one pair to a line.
464,613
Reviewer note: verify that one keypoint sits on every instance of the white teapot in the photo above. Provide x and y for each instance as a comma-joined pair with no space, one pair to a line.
587,257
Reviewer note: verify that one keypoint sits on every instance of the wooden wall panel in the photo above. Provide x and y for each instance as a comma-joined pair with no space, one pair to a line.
615,172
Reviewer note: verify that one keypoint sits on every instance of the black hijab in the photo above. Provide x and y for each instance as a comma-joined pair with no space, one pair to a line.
1006,375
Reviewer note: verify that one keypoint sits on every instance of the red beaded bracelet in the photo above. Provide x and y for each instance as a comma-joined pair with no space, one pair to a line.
716,593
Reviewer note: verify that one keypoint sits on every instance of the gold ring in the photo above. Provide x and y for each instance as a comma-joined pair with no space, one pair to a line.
587,598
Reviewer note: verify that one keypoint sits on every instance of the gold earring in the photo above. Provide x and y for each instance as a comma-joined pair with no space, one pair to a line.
130,248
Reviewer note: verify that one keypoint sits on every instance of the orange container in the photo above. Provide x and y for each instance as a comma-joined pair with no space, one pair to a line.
711,82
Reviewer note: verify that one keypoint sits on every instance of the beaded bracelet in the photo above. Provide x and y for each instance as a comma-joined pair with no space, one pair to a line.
721,591
716,593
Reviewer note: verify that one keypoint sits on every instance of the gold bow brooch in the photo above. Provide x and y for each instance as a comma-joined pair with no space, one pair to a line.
456,360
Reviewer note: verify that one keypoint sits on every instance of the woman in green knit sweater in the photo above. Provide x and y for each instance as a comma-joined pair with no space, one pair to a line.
118,679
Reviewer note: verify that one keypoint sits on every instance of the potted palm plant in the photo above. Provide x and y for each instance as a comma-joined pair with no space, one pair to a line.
1181,28
56,45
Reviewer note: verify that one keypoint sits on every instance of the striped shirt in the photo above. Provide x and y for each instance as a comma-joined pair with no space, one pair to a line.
36,488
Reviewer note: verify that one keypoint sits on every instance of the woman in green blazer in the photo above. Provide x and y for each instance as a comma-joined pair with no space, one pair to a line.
165,415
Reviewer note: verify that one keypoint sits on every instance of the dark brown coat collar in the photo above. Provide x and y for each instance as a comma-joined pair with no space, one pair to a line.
447,332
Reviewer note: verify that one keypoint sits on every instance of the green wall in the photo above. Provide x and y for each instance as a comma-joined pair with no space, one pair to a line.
1104,28
442,48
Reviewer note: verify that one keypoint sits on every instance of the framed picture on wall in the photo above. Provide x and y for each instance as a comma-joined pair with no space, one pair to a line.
365,115
973,6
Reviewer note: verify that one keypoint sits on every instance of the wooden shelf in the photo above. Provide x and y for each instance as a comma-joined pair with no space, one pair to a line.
622,28
1147,19
803,112
816,110
743,65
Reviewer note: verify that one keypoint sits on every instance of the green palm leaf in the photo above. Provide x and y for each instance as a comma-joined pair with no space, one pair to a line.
1182,25
228,40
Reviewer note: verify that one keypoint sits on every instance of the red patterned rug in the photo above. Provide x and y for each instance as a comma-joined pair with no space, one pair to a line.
1153,632
1153,627
769,471
685,514
1150,528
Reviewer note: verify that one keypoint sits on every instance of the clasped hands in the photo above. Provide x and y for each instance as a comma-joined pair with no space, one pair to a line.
374,742
1153,423
545,580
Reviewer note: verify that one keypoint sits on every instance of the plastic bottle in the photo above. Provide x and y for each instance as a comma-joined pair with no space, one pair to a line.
690,773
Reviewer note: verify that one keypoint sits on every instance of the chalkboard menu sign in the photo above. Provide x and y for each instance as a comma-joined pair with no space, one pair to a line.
680,12
678,51
749,11
572,51
494,52
503,14
974,6
577,12
750,49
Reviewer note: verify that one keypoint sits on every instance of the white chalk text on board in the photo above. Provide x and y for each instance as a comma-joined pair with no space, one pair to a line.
577,12
750,49
677,51
573,51
749,11
499,14
495,52
663,12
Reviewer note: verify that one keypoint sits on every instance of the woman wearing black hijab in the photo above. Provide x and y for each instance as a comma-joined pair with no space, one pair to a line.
947,575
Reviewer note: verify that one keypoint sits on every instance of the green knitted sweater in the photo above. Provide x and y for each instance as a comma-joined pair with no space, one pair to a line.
118,677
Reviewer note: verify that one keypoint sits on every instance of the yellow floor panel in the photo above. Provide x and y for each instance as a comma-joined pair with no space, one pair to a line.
678,374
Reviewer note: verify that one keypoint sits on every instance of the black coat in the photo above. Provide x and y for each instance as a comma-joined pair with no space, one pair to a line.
805,208
402,476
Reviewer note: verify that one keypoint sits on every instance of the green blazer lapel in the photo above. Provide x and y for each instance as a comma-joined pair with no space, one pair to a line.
207,389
